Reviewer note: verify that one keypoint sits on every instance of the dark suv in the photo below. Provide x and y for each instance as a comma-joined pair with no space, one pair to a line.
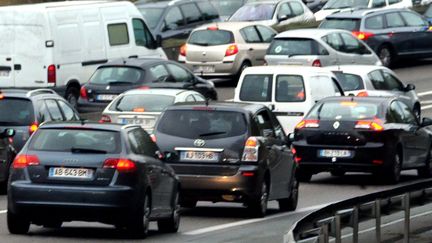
24,111
174,20
391,33
232,152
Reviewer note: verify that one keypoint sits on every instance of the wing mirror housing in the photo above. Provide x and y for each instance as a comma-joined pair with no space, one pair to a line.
282,18
289,139
410,87
426,121
8,133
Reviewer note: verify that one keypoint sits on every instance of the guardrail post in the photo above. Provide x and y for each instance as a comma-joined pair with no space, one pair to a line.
355,226
378,220
338,233
406,204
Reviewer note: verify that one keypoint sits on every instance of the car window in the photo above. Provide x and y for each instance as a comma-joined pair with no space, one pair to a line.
353,45
338,4
345,24
207,10
118,34
42,114
285,11
392,82
191,13
381,81
143,36
254,12
378,3
141,103
250,34
345,111
151,15
297,8
67,111
190,98
266,33
394,1
211,37
110,75
256,87
264,123
394,20
395,113
296,46
350,82
334,40
408,116
160,73
141,143
290,88
199,97
374,22
173,19
413,19
180,74
16,112
54,110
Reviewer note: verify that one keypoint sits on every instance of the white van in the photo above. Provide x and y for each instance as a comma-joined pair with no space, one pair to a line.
59,45
290,91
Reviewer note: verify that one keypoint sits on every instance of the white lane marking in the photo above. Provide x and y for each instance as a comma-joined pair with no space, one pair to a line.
3,211
250,221
426,102
424,93
426,107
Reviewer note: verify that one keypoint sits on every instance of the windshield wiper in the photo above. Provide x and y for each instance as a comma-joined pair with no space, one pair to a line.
211,134
87,150
201,44
120,82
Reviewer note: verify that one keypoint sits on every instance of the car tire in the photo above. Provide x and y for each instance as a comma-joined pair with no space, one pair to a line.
290,203
72,96
171,224
138,226
258,205
337,173
426,171
17,224
392,176
243,66
385,54
303,176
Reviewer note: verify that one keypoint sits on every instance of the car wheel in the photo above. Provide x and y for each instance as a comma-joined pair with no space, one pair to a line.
171,224
426,171
17,224
385,54
393,173
139,225
303,176
290,203
258,205
337,173
72,96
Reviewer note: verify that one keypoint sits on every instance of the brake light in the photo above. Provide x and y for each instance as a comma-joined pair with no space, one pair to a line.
120,164
248,173
153,138
105,119
375,125
316,63
52,74
362,94
144,87
183,50
24,160
231,50
212,28
362,35
1,96
83,93
250,152
307,124
33,127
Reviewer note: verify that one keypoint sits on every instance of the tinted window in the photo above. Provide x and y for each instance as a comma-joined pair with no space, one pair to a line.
151,15
296,46
173,19
290,88
392,82
394,20
161,74
334,40
349,82
211,37
378,3
396,113
375,22
353,45
191,13
336,4
16,112
250,35
413,19
344,110
118,34
267,34
394,1
381,81
254,12
113,75
180,74
141,143
63,140
408,116
54,110
345,24
207,10
203,124
142,35
142,103
256,88
67,111
227,7
297,8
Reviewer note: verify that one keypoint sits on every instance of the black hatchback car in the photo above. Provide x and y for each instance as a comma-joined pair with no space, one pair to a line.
379,135
232,152
113,78
92,172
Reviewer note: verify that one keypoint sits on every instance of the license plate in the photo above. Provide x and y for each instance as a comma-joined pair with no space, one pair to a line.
204,69
335,153
4,73
106,97
199,156
61,172
137,121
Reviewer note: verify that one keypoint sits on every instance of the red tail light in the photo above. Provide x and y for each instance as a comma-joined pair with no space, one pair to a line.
307,124
52,74
250,152
183,50
362,35
105,119
363,94
24,160
121,165
212,28
83,93
375,125
33,127
153,138
316,63
231,50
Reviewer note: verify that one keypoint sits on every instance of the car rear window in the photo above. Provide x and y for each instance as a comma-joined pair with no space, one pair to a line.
16,112
349,82
211,37
205,124
117,75
254,12
142,103
296,46
76,140
344,110
256,87
345,24
290,88
428,13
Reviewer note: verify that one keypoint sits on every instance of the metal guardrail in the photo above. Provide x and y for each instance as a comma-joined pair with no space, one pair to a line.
320,225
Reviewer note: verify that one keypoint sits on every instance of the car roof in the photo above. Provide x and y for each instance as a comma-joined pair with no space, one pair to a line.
86,125
223,105
285,69
356,69
158,91
25,93
137,62
227,25
358,14
263,2
308,33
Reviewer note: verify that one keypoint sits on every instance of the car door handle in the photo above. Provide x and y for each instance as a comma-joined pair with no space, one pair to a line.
17,67
251,49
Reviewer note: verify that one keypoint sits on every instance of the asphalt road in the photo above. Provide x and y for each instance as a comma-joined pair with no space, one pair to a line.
223,222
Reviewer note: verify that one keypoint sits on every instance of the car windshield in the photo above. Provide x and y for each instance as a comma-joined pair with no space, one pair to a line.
117,75
142,103
295,46
256,87
227,7
211,37
254,12
208,124
16,112
151,15
337,4
345,24
344,110
349,82
76,140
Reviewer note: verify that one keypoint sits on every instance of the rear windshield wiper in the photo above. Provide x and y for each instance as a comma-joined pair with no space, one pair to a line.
211,134
88,151
201,44
120,82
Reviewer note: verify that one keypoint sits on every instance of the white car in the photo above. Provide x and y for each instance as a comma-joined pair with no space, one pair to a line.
319,47
335,6
144,106
289,91
367,80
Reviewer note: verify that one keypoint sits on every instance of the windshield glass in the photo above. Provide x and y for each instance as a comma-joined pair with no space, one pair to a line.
344,110
345,24
211,37
117,75
16,112
254,12
227,7
208,124
349,82
142,103
337,4
151,15
295,46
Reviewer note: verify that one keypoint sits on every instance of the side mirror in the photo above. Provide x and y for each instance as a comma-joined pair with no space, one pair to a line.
426,121
289,139
410,87
282,18
8,133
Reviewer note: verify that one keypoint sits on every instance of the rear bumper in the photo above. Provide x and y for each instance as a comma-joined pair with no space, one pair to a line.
225,69
85,106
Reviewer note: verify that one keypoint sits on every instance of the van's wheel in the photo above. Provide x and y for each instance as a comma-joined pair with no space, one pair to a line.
426,171
290,203
171,224
258,205
138,226
392,176
303,176
17,224
386,55
72,94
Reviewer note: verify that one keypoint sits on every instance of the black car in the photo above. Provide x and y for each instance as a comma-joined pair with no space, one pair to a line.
7,155
232,152
392,33
174,20
378,135
113,78
25,110
92,172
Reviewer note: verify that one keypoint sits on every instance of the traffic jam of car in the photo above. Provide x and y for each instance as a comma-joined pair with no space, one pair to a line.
313,92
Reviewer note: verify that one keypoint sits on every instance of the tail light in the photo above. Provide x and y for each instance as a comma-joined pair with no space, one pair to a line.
231,50
24,160
121,165
33,127
250,152
307,124
375,125
183,50
105,119
153,138
362,35
316,63
362,94
83,93
52,74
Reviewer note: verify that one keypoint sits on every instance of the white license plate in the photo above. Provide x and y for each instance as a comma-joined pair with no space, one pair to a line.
137,121
4,73
332,153
199,156
61,172
105,97
204,69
